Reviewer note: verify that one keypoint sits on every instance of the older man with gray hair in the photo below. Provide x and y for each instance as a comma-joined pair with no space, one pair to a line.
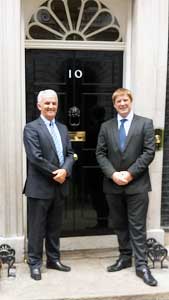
50,161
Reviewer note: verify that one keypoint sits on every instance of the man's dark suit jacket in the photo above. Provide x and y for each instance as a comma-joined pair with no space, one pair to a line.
138,154
43,160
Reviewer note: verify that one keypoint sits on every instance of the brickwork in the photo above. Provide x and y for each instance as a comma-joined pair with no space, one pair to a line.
165,178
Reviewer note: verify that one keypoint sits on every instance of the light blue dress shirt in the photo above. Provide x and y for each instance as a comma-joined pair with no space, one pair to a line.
56,137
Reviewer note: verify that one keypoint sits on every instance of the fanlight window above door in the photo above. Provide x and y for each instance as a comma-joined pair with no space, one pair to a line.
85,20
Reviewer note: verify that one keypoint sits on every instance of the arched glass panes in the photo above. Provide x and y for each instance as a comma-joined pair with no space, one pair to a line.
85,20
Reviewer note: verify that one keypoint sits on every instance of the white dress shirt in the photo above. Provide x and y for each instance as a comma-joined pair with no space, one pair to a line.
127,124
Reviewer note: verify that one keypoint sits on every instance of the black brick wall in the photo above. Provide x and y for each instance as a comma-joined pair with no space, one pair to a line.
165,178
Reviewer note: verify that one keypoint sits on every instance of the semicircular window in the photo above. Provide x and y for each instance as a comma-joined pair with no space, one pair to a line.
83,20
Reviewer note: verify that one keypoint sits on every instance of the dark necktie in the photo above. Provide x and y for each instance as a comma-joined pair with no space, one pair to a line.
122,135
57,141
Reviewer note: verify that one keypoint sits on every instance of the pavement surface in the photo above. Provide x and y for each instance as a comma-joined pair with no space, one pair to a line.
88,280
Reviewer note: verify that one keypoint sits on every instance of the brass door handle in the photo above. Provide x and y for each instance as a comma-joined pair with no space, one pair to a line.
159,136
75,156
77,136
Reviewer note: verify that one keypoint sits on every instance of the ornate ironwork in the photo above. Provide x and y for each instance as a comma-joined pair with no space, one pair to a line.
65,20
156,252
7,256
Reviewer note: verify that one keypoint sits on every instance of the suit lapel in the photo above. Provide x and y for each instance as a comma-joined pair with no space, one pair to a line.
46,133
131,130
115,136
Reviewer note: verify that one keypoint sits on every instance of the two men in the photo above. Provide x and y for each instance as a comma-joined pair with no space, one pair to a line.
50,161
125,149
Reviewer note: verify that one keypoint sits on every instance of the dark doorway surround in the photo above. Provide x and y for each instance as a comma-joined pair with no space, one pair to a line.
84,82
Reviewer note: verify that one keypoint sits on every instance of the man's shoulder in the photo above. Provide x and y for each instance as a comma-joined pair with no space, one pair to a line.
61,125
109,122
141,118
34,123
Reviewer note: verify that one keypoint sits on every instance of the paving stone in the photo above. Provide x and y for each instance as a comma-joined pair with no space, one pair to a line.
88,280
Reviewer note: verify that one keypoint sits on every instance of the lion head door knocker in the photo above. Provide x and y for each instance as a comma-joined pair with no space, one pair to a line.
74,116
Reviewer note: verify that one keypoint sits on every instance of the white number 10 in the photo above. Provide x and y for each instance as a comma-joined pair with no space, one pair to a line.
77,73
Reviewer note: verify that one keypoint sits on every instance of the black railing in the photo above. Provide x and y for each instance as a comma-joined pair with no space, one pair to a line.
7,256
156,252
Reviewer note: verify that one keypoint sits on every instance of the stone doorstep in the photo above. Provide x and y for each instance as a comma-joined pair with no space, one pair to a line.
88,266
85,253
163,296
90,253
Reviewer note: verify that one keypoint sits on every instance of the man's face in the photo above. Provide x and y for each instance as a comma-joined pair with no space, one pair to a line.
48,107
123,105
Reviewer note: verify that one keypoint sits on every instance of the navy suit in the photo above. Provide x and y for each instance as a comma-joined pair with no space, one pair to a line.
45,196
128,204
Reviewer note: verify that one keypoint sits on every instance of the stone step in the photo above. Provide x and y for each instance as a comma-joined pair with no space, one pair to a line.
88,280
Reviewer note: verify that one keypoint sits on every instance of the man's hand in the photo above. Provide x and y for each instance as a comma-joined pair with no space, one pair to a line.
60,175
122,177
127,175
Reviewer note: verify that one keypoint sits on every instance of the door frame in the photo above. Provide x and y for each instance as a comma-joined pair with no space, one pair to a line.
84,45
102,88
91,45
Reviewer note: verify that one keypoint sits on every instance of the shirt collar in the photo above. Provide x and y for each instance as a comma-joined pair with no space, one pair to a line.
129,117
47,122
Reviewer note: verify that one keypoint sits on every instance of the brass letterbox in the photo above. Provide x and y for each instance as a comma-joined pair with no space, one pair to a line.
77,136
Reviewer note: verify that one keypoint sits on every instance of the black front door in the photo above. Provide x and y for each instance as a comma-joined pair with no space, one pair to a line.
84,82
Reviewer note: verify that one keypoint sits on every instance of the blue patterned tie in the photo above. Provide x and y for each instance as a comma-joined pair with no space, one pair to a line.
122,134
57,141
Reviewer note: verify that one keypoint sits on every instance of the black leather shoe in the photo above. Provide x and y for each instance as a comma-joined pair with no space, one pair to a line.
35,273
146,275
57,265
119,265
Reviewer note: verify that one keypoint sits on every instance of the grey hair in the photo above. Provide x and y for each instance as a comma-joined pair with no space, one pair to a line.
46,94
